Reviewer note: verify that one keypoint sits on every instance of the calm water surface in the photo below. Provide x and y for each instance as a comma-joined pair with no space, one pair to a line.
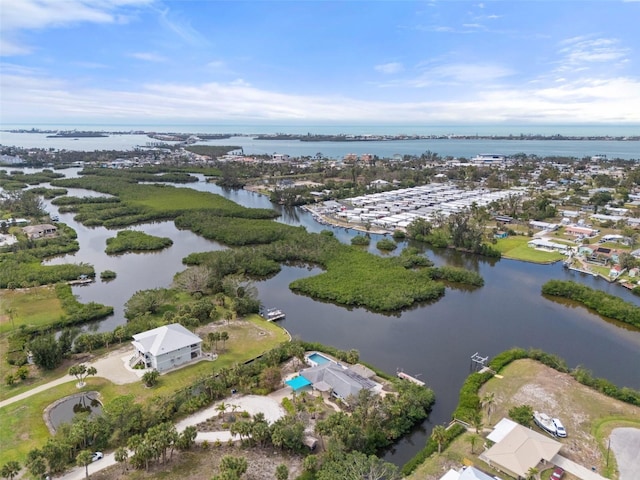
466,148
433,341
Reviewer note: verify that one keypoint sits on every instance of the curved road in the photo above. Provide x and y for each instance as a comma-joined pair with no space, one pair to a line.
269,406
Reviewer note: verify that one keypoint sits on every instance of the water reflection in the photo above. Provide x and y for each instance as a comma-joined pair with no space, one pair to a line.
435,340
64,410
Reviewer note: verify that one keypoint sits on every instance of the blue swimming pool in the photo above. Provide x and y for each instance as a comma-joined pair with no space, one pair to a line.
318,359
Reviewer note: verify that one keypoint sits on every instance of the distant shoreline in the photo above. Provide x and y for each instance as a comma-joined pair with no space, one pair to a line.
331,137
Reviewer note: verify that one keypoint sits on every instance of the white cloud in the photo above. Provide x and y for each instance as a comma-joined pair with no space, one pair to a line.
584,50
22,15
34,14
148,56
182,28
389,68
32,98
459,74
9,48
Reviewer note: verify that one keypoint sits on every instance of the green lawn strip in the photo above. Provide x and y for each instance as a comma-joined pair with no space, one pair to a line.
33,307
601,430
517,248
22,426
604,271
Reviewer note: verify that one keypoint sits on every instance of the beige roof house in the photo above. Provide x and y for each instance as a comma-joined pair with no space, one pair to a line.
520,449
39,231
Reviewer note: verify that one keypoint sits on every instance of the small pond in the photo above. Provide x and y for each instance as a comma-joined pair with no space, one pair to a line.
63,410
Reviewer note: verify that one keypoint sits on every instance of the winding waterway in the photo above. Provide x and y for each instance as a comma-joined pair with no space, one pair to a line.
433,341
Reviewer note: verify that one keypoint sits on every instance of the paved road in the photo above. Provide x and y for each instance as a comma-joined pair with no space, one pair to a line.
625,445
252,404
575,469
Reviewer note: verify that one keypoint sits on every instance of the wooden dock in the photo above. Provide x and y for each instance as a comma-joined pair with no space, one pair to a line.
406,376
82,281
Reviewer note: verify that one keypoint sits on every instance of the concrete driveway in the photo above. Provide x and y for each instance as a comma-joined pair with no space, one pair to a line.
625,445
113,367
252,404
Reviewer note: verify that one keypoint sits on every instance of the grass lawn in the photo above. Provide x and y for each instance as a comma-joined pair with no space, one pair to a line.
517,248
34,306
22,427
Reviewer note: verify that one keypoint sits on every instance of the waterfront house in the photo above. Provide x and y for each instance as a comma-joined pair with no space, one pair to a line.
341,381
167,347
39,231
517,449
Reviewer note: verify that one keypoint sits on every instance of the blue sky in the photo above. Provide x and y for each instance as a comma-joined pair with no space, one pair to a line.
364,62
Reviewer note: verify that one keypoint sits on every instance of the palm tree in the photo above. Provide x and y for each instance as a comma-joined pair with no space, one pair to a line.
487,402
224,336
472,439
83,460
477,422
10,469
439,435
532,473
121,455
221,408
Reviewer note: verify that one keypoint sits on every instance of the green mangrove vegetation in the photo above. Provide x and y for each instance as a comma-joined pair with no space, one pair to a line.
603,303
134,241
21,270
352,277
139,203
17,180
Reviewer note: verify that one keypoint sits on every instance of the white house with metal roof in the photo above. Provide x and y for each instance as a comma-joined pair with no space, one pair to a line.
167,347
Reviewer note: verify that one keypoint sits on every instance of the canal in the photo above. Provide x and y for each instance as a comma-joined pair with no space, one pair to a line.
434,342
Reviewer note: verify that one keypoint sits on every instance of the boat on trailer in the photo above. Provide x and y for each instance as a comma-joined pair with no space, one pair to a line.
545,422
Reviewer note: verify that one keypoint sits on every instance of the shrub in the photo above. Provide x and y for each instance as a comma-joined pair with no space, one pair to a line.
108,275
360,240
386,245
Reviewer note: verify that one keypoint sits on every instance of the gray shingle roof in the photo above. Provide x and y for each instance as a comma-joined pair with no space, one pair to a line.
344,382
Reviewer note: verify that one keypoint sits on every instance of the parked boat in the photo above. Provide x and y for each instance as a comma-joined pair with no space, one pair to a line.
273,314
545,422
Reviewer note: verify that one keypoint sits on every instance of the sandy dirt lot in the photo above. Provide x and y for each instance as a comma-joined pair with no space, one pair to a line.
584,412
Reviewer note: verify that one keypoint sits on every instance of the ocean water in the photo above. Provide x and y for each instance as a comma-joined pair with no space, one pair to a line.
243,136
353,129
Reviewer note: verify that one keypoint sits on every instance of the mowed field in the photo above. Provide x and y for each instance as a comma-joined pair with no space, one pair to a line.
517,248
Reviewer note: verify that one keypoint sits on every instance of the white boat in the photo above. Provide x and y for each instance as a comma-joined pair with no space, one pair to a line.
545,422
272,314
